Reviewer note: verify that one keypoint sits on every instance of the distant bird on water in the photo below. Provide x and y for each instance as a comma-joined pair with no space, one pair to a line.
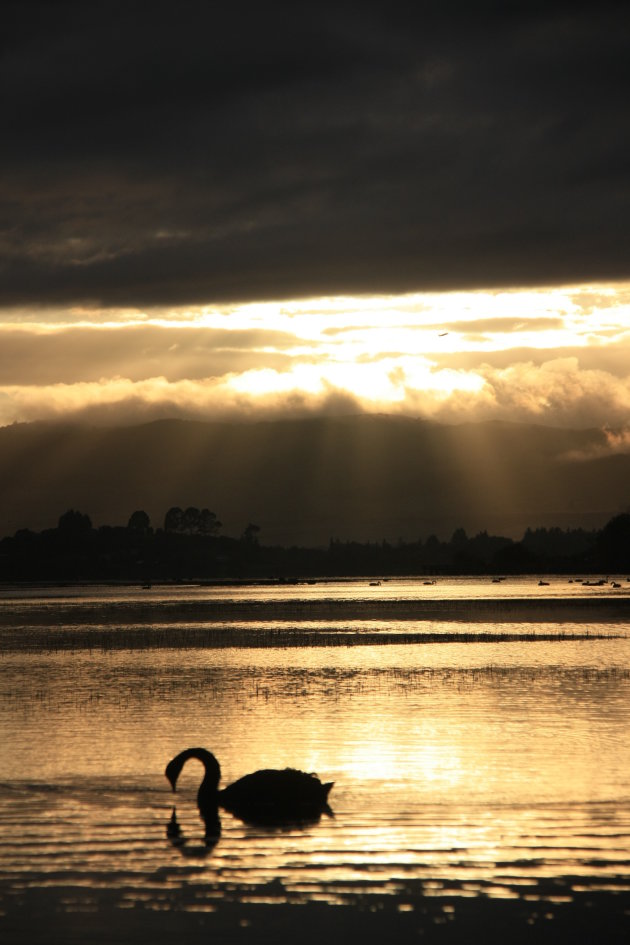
266,797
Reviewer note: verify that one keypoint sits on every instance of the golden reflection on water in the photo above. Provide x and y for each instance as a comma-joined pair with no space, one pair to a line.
490,768
365,716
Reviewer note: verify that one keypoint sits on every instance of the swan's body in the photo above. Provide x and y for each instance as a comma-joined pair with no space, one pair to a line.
267,796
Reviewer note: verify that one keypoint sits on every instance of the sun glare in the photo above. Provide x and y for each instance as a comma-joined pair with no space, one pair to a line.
444,355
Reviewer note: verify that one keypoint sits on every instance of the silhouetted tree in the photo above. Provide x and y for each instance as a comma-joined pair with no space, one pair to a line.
73,536
459,537
209,524
250,535
556,543
614,543
173,519
192,521
74,524
139,522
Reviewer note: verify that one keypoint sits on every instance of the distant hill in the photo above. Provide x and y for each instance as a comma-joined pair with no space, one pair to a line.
304,481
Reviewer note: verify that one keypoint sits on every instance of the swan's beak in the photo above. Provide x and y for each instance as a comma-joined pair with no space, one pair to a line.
172,777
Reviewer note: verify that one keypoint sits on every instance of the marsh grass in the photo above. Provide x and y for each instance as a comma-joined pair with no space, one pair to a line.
610,609
204,685
194,637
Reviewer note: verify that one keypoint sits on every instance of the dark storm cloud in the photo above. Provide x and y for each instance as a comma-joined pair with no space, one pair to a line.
172,153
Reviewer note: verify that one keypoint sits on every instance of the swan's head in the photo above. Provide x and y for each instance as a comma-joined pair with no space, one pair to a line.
173,770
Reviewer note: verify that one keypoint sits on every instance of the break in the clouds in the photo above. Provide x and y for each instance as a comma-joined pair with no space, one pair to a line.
188,153
549,356
270,209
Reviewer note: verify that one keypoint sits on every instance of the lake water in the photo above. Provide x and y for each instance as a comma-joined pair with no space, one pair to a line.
479,749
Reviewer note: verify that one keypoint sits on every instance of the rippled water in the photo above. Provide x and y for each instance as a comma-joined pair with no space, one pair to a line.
478,759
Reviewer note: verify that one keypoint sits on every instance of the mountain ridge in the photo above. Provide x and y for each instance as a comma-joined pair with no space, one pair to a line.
363,477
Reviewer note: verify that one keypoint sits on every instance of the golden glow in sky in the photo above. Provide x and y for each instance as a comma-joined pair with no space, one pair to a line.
553,355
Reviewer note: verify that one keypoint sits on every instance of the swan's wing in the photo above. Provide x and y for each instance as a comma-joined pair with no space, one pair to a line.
272,795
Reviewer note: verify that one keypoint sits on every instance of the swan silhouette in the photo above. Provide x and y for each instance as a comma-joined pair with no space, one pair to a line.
268,796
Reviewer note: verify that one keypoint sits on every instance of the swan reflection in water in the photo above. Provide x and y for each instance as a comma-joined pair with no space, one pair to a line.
182,843
269,797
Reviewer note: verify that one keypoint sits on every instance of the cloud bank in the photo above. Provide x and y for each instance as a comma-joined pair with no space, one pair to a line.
197,153
555,357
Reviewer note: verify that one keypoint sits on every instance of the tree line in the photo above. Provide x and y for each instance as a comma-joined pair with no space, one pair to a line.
189,546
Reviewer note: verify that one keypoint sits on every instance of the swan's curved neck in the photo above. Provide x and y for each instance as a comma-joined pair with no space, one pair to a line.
212,771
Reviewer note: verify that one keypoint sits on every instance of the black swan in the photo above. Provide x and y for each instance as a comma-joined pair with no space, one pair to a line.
267,796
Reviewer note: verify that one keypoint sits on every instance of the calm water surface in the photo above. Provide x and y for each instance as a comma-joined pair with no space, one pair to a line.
487,767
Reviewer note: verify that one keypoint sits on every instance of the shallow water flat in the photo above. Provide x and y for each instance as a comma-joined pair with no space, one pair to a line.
344,613
356,589
465,770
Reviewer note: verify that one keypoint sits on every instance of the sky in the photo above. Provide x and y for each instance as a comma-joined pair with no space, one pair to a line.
253,211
